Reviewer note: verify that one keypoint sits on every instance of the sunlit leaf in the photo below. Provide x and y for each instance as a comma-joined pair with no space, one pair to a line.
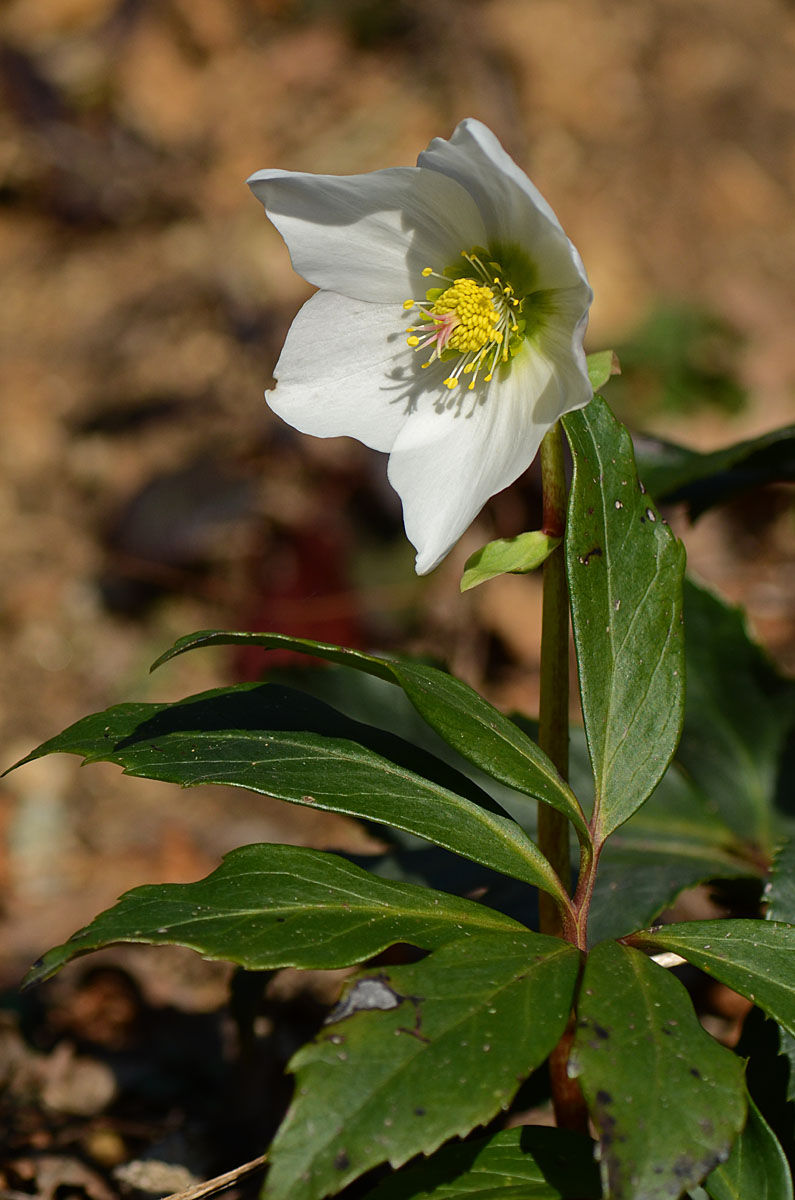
271,906
281,743
376,1085
755,958
625,572
475,729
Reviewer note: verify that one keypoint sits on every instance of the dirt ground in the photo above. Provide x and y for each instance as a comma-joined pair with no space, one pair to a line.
147,491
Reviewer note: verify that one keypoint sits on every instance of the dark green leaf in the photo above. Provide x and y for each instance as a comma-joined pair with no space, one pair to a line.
273,906
673,473
757,1167
780,891
680,358
625,575
431,866
365,698
431,1062
284,744
516,555
601,366
473,727
529,1163
674,842
738,713
768,1074
755,958
666,1099
780,895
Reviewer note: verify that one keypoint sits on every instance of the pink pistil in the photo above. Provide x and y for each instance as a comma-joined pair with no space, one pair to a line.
444,324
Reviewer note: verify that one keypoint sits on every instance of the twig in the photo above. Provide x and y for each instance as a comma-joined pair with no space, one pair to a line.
219,1182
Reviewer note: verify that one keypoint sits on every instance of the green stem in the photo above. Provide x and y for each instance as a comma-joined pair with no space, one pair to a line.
553,738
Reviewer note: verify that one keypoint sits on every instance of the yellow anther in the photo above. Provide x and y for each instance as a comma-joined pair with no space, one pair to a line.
469,320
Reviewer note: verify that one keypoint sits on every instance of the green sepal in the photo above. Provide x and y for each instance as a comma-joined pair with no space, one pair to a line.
601,366
508,556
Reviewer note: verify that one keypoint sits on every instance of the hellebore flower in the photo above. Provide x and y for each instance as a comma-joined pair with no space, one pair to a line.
465,251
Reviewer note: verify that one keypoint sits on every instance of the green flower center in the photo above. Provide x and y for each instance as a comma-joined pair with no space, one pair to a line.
474,321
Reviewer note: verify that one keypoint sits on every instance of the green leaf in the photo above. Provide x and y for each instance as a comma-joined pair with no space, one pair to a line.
738,714
768,1075
625,576
272,906
755,958
516,555
475,729
780,896
528,1163
674,473
757,1168
674,842
780,890
429,1063
601,366
284,744
667,1101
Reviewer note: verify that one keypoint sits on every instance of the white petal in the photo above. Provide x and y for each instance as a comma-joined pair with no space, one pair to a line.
369,236
558,342
345,369
513,210
446,465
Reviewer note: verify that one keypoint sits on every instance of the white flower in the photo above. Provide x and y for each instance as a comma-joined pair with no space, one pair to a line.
465,248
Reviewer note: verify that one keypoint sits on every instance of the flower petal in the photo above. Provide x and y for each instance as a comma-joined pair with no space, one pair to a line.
369,236
513,210
446,464
345,369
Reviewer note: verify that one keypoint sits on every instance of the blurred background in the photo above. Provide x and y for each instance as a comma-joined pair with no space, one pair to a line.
145,488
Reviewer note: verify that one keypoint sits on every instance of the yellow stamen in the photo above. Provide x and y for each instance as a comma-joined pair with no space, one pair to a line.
473,319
